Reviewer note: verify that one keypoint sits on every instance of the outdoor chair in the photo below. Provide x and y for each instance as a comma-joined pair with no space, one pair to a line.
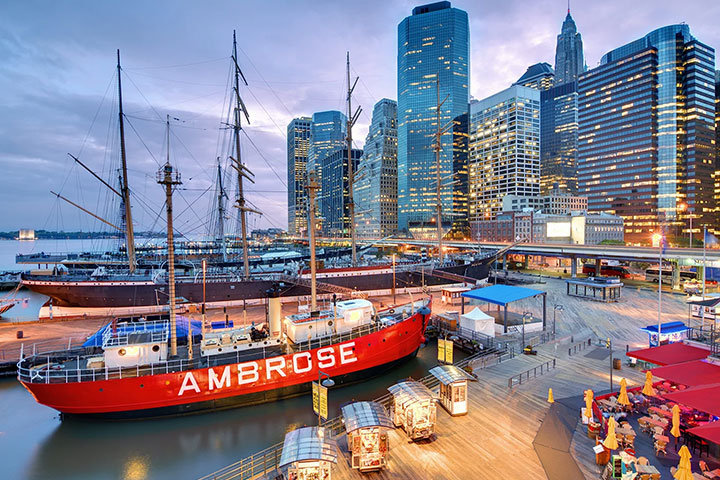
630,441
703,467
659,431
642,461
660,448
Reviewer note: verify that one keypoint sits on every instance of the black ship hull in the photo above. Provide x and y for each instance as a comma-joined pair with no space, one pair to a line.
112,294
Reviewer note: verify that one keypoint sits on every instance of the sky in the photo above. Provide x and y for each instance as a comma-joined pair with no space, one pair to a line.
58,90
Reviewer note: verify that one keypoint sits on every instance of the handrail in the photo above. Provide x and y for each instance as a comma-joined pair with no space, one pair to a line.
578,347
267,460
544,368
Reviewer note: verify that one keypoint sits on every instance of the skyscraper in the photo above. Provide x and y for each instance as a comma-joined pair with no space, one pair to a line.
569,59
646,131
539,76
559,138
504,150
375,189
716,176
433,48
334,205
298,145
327,134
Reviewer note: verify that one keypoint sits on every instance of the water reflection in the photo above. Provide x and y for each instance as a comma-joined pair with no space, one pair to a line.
179,447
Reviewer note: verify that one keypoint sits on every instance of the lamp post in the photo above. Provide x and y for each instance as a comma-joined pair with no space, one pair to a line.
394,283
525,316
556,307
685,207
658,237
327,382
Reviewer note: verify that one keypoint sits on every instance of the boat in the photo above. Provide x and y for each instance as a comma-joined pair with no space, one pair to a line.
6,305
149,369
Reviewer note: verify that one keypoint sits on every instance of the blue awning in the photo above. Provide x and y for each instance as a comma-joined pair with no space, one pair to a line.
666,328
502,294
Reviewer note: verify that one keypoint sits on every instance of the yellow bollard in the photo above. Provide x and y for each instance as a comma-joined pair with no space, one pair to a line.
550,396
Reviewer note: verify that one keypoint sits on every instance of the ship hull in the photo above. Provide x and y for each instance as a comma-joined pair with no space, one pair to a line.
108,295
232,385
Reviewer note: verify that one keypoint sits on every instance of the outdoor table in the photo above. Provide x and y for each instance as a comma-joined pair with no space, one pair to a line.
625,431
713,473
662,438
661,412
646,469
657,423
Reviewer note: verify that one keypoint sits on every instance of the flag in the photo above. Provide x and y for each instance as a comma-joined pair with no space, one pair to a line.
25,303
710,240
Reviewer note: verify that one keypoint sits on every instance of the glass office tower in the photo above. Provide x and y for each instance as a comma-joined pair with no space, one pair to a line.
559,136
375,188
433,44
334,205
645,142
327,134
298,145
504,150
569,58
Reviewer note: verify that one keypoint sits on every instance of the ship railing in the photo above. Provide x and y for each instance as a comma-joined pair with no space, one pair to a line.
267,461
120,333
64,366
338,338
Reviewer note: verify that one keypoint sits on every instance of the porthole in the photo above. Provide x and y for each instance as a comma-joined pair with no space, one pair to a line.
156,348
122,352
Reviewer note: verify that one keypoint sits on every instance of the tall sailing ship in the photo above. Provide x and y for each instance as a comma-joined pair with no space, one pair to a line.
139,291
139,369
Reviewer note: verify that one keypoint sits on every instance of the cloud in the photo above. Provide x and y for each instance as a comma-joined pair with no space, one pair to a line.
59,94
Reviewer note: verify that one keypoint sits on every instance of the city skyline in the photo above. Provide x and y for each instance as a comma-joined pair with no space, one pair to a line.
56,73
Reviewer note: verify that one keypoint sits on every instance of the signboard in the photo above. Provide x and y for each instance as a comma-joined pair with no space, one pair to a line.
320,400
323,402
558,229
708,314
316,398
445,350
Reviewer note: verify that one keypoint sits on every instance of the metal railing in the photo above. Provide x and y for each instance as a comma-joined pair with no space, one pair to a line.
267,460
578,347
13,354
531,373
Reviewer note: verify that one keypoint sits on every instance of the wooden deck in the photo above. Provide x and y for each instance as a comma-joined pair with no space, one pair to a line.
495,439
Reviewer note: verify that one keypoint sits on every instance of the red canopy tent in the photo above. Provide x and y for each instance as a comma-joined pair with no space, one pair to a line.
692,374
670,354
704,398
710,432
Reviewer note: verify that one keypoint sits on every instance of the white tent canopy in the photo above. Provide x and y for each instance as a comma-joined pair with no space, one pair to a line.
478,321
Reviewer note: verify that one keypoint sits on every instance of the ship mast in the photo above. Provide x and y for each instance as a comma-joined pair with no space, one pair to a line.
438,147
237,164
167,177
351,119
221,212
129,235
312,187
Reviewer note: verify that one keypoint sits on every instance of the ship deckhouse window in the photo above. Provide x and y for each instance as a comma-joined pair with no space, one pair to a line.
121,352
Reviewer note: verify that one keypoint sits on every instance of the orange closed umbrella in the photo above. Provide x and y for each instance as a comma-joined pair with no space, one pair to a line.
588,403
684,470
648,388
675,430
611,441
623,397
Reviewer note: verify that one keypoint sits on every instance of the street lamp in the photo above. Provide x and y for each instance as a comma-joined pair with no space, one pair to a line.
556,307
525,316
394,283
327,383
685,207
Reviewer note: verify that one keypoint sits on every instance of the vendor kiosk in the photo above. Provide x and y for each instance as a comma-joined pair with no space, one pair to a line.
413,409
308,453
366,425
453,388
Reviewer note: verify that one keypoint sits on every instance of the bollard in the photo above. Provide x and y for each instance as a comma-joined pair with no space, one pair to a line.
19,334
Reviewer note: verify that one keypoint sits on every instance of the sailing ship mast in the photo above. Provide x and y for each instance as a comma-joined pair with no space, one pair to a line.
242,170
129,234
312,187
221,211
351,119
438,147
168,178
